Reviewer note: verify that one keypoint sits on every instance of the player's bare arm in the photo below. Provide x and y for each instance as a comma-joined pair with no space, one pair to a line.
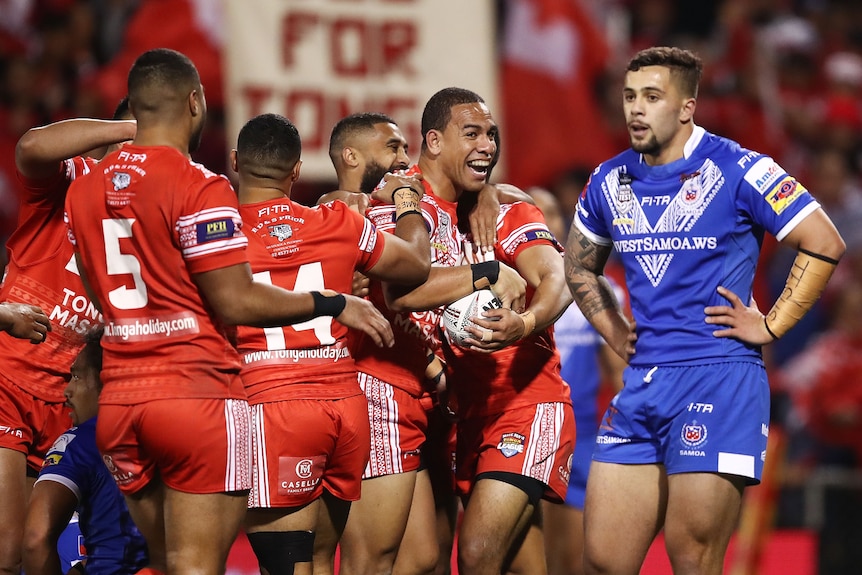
406,255
51,506
819,248
239,300
445,285
40,149
584,264
542,268
24,321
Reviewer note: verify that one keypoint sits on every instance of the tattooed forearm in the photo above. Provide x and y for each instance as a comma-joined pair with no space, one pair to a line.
585,261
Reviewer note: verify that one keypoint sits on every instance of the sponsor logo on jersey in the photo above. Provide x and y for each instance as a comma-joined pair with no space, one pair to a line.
281,231
62,443
511,444
52,459
670,231
693,434
763,174
6,430
624,191
215,230
784,193
540,235
121,180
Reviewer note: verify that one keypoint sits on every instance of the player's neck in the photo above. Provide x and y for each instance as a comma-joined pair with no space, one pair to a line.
162,136
254,194
440,183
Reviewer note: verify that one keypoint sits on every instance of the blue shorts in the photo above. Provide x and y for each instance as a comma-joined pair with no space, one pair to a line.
585,441
707,418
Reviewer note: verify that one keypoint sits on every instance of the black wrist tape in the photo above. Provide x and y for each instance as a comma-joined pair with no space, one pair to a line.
485,274
407,213
328,305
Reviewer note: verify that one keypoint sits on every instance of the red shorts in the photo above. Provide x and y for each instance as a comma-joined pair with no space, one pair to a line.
535,441
195,445
302,446
398,426
28,424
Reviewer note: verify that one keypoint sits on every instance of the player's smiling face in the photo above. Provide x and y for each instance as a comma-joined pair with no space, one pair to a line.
469,145
385,151
655,112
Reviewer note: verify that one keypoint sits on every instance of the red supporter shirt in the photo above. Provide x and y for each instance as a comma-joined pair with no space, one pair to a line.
403,365
528,371
42,271
143,223
303,249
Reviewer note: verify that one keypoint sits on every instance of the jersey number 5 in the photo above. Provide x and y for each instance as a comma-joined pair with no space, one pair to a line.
119,263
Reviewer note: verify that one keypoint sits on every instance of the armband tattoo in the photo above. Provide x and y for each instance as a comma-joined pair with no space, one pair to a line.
805,283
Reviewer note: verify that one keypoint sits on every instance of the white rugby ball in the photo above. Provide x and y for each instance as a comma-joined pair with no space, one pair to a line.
456,315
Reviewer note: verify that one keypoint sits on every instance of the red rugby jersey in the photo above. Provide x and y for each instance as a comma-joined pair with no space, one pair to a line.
403,365
303,249
528,371
42,271
143,223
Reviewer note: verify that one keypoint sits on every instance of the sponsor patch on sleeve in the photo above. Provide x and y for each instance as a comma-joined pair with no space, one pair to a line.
763,174
784,193
539,235
215,230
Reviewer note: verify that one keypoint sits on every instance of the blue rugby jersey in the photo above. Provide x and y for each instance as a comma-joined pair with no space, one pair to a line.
684,228
114,544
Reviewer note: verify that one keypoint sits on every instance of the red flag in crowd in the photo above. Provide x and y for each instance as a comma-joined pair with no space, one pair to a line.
552,54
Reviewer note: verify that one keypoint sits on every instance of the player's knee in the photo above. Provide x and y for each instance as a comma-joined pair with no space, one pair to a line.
421,559
478,554
279,551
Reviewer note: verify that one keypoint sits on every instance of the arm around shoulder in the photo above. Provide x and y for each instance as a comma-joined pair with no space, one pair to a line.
40,149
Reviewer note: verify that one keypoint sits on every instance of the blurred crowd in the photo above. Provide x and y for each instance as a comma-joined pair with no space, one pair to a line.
783,77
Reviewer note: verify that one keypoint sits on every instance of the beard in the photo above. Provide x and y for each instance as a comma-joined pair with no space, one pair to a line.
649,146
374,172
197,135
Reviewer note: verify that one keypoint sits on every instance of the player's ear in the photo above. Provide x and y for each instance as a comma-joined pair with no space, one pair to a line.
349,157
197,101
687,112
434,141
294,174
233,164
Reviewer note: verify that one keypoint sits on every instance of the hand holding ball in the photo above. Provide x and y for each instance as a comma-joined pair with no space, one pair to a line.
456,316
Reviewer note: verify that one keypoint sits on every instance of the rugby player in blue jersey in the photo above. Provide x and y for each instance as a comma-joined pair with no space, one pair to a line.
686,211
74,478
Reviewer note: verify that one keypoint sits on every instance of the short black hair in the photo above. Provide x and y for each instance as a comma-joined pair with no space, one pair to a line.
122,111
159,72
92,350
684,65
349,126
438,109
268,144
